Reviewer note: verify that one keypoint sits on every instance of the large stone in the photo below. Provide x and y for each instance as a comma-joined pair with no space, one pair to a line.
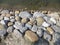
31,36
6,18
24,14
39,20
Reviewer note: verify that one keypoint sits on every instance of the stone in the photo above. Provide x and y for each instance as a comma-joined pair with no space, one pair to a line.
17,18
39,20
56,28
2,22
1,17
24,20
24,14
56,36
50,30
4,11
12,20
45,24
58,23
10,29
12,17
28,26
34,28
10,23
6,18
17,12
47,36
11,12
22,29
39,32
53,20
2,30
8,15
38,14
31,36
41,42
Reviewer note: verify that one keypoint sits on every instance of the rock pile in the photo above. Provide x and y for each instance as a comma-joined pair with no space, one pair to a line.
26,29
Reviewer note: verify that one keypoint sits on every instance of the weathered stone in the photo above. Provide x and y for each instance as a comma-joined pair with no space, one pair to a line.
1,17
16,12
5,11
58,23
24,14
10,23
6,18
47,36
12,17
38,14
31,36
39,32
24,20
39,20
50,30
2,22
11,12
34,28
45,24
12,20
28,26
17,18
8,15
10,29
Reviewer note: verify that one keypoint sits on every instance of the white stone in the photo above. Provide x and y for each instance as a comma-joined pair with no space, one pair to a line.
6,18
4,11
53,20
2,22
1,17
45,24
12,20
12,17
24,14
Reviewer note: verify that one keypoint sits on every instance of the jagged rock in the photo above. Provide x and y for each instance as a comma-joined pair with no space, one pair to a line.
31,36
24,14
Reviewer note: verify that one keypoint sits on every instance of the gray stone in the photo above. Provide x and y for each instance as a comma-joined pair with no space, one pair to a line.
10,29
22,29
12,20
28,26
58,23
1,17
34,28
47,36
6,18
24,14
4,11
39,32
12,17
2,22
56,28
38,14
41,42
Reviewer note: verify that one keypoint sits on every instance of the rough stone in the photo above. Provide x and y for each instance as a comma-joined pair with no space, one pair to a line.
6,18
39,20
17,18
31,36
34,28
16,12
24,14
10,23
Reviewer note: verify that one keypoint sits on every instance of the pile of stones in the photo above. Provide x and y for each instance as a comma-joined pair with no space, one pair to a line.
25,28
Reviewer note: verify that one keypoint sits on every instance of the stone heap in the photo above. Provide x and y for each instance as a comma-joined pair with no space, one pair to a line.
22,28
